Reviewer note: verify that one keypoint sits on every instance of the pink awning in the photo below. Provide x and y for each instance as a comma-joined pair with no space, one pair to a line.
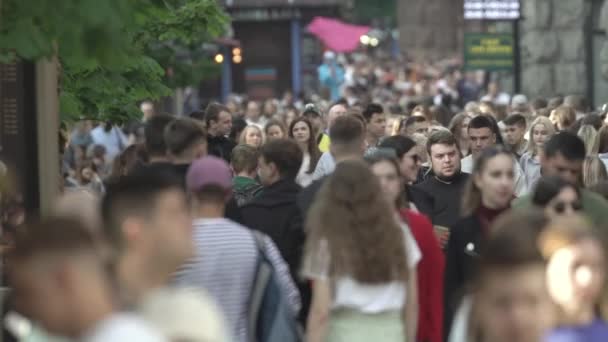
337,35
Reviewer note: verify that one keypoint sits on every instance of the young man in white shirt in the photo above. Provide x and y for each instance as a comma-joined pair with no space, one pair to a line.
59,280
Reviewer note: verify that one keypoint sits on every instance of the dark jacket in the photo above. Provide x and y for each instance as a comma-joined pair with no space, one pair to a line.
220,147
275,212
308,194
463,248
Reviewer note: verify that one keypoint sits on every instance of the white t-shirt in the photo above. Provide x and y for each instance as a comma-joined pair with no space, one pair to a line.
123,327
304,178
369,299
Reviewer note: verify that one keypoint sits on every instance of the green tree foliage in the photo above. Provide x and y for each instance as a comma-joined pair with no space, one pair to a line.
112,53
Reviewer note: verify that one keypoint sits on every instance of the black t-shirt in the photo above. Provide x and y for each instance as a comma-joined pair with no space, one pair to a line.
440,200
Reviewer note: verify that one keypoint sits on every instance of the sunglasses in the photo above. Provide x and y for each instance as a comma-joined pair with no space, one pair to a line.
560,207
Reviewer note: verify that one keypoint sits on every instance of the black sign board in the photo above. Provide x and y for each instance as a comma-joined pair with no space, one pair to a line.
492,9
18,145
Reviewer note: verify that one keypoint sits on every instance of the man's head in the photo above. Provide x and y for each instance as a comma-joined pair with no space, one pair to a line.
57,275
563,156
209,180
444,153
481,134
313,114
417,124
218,119
336,110
147,109
279,159
146,218
186,140
154,134
511,285
347,136
376,120
244,161
515,130
253,111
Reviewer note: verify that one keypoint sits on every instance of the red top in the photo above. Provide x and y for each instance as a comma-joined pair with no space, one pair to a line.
430,277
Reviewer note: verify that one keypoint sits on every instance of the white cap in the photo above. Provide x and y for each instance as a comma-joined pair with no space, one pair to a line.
329,55
519,99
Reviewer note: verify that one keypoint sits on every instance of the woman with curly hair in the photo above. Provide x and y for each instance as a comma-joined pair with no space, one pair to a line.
361,261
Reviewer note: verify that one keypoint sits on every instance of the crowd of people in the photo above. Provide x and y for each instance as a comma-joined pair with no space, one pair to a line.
426,211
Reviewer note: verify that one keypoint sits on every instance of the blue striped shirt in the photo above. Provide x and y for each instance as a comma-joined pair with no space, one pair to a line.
225,266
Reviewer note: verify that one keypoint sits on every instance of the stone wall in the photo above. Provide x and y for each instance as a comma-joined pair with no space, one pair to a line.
553,49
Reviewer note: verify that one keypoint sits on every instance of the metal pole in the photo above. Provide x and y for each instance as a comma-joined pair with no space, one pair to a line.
226,73
296,57
517,58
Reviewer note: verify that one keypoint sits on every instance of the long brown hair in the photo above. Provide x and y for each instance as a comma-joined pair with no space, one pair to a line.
311,145
353,218
472,194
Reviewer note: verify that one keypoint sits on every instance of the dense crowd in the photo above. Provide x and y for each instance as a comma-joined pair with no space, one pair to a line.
425,210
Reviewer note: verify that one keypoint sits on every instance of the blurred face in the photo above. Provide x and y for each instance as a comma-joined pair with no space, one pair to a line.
377,125
253,137
514,305
224,124
576,274
267,172
389,178
301,132
39,295
566,203
170,234
558,165
514,135
253,110
496,182
464,130
410,164
334,113
290,116
275,132
481,138
540,134
419,127
445,160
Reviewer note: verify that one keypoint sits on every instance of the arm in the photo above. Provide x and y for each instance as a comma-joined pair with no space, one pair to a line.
286,282
319,311
411,306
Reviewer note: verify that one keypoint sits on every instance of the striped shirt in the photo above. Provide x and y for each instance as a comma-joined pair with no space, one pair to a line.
225,265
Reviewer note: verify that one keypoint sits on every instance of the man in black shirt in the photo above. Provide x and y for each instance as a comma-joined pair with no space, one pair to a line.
440,195
219,124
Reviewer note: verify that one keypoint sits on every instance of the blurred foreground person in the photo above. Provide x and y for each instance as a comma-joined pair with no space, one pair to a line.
359,296
557,197
576,276
60,281
487,195
148,226
226,259
510,294
430,267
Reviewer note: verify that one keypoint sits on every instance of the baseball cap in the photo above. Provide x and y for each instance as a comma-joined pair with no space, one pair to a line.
310,108
329,55
208,170
519,99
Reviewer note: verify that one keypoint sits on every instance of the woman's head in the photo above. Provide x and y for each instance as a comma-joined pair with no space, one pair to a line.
408,155
591,139
385,165
291,113
541,130
492,181
350,215
127,161
557,197
274,130
563,117
594,171
459,126
576,265
252,136
302,131
270,108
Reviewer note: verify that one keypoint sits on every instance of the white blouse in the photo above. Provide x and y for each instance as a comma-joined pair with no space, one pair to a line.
304,178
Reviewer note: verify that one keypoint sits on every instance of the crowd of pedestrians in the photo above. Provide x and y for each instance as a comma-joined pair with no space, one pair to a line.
401,219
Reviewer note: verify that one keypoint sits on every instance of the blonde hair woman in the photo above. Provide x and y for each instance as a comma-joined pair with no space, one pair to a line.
594,171
253,136
541,130
591,139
